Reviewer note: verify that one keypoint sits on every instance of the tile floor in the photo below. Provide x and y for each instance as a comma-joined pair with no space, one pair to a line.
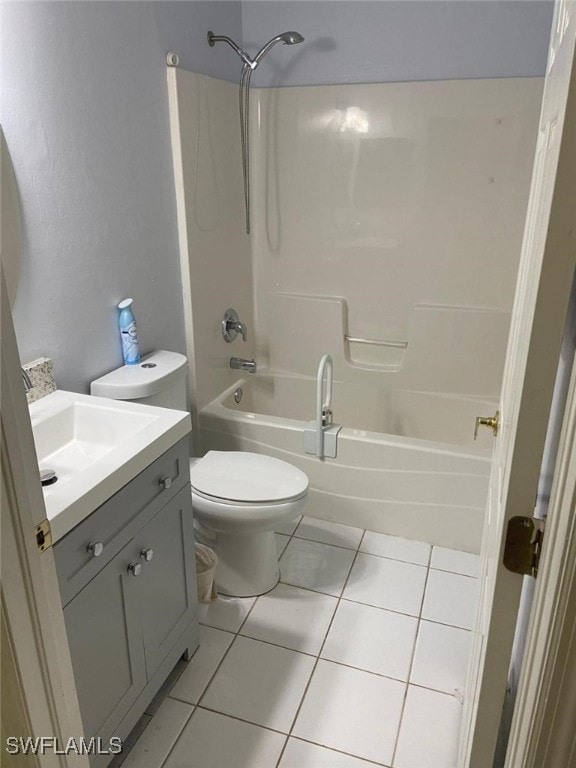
358,657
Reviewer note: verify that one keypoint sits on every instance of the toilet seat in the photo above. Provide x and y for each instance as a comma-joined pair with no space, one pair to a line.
244,478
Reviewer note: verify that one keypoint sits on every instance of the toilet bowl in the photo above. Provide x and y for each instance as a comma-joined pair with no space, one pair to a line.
239,498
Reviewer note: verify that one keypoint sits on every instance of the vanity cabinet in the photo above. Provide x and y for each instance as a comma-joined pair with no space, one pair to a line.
128,582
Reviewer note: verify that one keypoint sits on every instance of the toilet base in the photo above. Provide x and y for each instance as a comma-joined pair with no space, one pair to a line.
247,565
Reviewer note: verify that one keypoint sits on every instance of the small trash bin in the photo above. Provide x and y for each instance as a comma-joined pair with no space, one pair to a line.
206,562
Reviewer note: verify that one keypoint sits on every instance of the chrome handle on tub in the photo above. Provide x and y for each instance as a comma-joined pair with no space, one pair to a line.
95,548
166,482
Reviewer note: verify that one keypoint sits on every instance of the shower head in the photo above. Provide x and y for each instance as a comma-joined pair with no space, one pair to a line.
287,38
291,38
249,65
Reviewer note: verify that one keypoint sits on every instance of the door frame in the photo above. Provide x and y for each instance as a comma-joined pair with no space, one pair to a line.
542,730
30,596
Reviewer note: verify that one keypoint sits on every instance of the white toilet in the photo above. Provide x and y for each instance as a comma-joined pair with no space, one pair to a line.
238,498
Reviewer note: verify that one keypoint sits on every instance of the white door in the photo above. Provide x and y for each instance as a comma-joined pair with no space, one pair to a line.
542,292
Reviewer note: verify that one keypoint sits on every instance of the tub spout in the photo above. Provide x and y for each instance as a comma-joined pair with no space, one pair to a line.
239,363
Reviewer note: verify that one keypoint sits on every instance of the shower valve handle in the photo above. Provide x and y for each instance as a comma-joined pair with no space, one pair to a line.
231,326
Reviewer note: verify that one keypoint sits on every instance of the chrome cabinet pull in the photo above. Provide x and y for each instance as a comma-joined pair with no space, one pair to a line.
166,482
135,569
95,548
147,554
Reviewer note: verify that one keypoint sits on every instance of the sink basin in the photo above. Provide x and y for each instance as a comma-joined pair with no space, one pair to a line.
95,446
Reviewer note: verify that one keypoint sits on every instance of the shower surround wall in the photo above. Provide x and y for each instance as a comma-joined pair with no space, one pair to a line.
391,212
215,256
387,212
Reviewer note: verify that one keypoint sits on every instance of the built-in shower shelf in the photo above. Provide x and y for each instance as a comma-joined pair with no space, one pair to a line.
380,354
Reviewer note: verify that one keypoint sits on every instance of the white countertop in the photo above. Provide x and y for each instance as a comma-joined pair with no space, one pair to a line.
96,446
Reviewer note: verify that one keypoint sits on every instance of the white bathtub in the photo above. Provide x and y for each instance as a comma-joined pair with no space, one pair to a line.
406,462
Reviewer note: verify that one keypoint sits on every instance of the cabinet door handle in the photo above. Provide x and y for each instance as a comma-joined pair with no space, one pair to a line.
166,482
147,554
95,548
135,569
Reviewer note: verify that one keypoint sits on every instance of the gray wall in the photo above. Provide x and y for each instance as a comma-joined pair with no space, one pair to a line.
391,40
84,109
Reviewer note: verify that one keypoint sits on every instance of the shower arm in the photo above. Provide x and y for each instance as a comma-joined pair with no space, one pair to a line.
212,39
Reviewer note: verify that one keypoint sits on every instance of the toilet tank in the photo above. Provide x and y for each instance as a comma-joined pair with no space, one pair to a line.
158,379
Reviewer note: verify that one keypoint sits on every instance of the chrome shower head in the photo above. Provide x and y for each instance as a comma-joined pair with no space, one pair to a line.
287,38
291,38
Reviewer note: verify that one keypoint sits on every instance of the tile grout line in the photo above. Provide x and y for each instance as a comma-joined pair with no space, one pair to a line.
236,636
341,752
177,739
402,711
320,652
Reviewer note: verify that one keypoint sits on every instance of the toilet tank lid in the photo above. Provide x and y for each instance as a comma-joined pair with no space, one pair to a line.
155,372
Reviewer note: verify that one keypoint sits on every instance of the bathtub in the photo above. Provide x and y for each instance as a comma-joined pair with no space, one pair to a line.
406,462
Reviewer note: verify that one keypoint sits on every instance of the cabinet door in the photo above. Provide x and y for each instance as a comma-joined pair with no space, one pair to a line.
103,627
167,588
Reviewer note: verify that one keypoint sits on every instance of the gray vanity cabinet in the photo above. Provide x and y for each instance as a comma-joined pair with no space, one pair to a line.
167,584
127,577
103,627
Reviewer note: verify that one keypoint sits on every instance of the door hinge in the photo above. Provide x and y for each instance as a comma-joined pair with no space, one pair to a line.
43,536
523,545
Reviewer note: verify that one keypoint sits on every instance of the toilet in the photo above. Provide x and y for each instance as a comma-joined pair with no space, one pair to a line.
238,497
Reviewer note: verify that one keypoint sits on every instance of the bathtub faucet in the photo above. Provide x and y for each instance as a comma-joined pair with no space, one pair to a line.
241,364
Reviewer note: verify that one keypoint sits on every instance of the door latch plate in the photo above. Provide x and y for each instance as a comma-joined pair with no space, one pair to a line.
43,536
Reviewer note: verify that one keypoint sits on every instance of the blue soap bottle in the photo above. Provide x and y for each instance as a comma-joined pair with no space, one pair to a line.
128,333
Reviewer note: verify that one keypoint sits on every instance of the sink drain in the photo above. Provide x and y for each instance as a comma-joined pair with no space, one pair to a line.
48,476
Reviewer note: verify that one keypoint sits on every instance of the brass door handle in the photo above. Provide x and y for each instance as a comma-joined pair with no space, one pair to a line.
487,421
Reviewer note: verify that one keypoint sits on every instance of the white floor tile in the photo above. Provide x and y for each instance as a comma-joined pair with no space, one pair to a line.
302,754
387,584
371,639
214,741
260,683
352,711
155,743
292,617
441,657
130,741
289,526
312,565
417,552
430,730
228,613
451,599
455,561
193,681
329,533
281,543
